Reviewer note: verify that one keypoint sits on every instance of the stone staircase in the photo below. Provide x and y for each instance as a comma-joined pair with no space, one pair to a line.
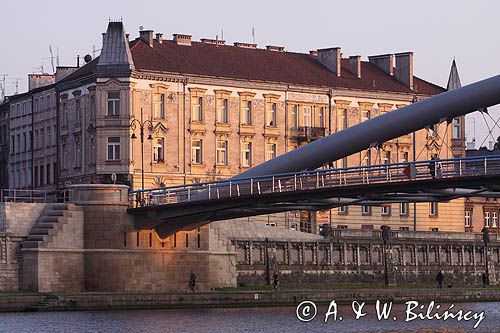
52,219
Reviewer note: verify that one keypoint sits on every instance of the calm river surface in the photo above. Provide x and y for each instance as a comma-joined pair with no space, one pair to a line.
240,320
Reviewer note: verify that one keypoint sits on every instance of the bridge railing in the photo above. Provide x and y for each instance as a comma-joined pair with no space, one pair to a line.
35,196
316,180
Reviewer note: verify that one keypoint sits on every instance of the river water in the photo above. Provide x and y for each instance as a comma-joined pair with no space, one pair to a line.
283,319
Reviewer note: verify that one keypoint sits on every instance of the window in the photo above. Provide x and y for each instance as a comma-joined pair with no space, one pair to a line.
197,109
270,151
48,175
64,155
42,174
158,150
433,209
366,210
403,209
92,150
387,157
405,157
113,148
159,106
271,115
468,214
246,154
78,152
49,136
386,210
456,128
295,113
64,114
25,142
321,117
365,115
341,119
307,116
42,136
36,175
196,151
12,139
494,219
222,111
113,103
78,113
343,210
487,219
246,112
221,152
92,107
404,228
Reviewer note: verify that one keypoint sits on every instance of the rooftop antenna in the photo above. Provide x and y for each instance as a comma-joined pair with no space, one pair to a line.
52,59
253,35
222,34
57,57
16,79
217,40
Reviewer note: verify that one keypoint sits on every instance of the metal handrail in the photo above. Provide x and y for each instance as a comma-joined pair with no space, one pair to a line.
386,173
35,196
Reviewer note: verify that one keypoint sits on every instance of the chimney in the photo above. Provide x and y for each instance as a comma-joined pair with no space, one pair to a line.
147,36
181,39
213,41
384,61
275,48
330,58
245,45
404,68
355,65
159,37
40,80
313,53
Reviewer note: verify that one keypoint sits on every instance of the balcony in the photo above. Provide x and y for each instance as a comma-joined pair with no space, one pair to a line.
308,134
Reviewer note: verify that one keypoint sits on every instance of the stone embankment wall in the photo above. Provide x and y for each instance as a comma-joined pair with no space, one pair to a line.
357,256
16,221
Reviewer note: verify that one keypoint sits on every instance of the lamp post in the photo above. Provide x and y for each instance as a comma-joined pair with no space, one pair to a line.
486,239
385,237
134,123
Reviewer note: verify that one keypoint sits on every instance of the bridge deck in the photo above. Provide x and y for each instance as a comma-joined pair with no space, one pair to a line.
435,180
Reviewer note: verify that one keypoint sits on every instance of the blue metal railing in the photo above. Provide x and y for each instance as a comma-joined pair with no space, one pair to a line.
316,179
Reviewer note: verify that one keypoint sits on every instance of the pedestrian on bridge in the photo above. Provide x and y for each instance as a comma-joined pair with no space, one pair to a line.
432,167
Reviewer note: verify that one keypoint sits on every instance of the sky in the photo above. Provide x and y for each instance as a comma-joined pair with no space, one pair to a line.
436,31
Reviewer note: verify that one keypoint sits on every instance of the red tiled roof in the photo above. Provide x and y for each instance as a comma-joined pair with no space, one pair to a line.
258,65
263,65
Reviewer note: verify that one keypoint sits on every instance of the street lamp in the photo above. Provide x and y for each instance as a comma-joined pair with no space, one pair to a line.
486,239
134,123
385,237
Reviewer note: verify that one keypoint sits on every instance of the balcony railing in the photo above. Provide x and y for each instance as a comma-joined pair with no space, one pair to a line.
308,133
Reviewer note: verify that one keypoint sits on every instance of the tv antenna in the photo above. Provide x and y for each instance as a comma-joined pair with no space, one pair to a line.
253,35
16,82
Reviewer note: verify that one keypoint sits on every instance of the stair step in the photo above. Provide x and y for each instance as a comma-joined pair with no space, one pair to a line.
30,244
35,237
40,231
54,213
59,206
49,219
45,225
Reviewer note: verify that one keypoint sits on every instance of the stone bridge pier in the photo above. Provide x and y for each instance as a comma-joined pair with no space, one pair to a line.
102,251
